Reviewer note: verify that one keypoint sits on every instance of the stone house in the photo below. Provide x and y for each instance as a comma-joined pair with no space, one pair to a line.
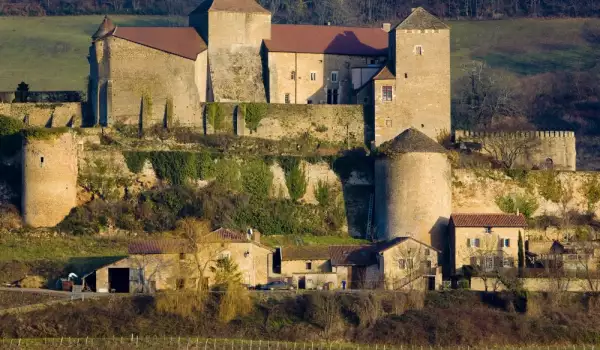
484,241
180,264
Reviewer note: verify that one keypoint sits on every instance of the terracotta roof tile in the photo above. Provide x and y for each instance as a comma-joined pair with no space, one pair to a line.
328,39
352,255
384,74
249,6
410,141
180,41
165,246
305,253
488,220
421,19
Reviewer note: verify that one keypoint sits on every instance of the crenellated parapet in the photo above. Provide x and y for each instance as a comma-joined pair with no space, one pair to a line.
555,148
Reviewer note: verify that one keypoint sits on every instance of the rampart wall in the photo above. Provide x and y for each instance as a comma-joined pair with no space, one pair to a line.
44,114
559,146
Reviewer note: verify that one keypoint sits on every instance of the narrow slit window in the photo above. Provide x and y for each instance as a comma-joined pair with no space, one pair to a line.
41,161
313,76
419,50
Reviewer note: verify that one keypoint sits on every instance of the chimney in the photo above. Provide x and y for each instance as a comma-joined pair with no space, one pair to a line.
517,211
327,23
386,27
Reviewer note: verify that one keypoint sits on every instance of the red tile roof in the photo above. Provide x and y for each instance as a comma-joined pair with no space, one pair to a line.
225,234
352,255
248,6
488,220
305,253
328,39
180,41
165,246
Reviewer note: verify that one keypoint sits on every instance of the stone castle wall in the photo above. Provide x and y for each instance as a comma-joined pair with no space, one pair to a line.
44,114
559,146
49,179
136,70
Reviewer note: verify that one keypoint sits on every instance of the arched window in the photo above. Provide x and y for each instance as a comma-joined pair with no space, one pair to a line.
549,163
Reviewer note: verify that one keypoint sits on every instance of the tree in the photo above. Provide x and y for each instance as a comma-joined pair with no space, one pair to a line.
484,257
521,260
507,148
413,264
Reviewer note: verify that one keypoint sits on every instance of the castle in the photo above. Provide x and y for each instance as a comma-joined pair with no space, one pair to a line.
385,87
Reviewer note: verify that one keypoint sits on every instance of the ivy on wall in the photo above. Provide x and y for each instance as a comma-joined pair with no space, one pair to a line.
215,115
135,161
257,179
174,166
253,114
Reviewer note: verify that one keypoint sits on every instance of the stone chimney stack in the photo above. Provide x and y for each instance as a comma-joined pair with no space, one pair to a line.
386,27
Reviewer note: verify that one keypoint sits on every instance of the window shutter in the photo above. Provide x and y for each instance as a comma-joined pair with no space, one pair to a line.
468,243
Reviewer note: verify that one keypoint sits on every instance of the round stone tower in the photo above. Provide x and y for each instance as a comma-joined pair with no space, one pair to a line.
413,195
49,163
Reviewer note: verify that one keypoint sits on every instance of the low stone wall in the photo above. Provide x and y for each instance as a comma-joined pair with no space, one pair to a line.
537,284
45,114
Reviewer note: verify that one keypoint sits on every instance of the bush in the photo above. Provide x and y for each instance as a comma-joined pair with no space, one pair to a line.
591,192
227,175
10,126
323,193
526,205
257,179
253,114
174,166
295,177
135,161
205,166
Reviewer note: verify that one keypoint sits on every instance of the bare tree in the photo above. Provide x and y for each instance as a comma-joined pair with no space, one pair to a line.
485,258
508,148
413,263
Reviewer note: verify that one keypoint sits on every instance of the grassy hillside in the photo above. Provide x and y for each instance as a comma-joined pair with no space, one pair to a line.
50,53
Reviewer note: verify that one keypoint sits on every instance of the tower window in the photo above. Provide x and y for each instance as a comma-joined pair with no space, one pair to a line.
287,98
293,75
405,75
309,265
388,123
313,76
334,76
386,93
41,162
418,50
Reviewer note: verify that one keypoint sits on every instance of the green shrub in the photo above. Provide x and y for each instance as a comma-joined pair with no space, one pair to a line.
323,193
174,166
10,126
135,160
40,133
227,174
295,177
205,165
257,179
253,114
591,192
169,113
146,109
215,115
549,185
526,205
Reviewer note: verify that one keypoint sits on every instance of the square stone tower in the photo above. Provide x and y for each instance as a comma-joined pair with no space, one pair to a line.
416,91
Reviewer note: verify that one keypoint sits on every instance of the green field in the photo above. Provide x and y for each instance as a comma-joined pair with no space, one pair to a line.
50,53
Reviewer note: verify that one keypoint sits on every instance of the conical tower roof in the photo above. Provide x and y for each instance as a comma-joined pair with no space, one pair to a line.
410,141
106,27
248,6
421,19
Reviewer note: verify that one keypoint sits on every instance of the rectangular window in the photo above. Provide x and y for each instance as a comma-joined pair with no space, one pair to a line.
427,264
473,242
388,123
409,263
402,264
419,50
506,243
489,263
426,252
313,76
488,230
181,256
309,102
386,93
334,76
508,262
309,265
293,75
287,98
477,242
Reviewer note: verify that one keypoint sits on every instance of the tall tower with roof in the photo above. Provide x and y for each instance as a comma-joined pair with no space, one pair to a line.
416,90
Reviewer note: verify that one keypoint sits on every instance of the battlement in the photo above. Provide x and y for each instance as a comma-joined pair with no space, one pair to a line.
459,134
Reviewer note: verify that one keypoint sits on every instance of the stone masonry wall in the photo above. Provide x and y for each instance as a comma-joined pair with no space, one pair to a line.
136,70
301,87
44,114
556,145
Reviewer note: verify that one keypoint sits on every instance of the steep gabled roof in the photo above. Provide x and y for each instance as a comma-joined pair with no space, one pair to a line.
410,141
421,19
328,39
181,41
384,74
163,246
248,6
488,220
385,245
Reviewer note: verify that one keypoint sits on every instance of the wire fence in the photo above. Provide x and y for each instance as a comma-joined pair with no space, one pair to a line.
190,343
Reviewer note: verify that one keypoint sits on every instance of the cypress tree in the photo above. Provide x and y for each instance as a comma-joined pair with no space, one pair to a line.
521,252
